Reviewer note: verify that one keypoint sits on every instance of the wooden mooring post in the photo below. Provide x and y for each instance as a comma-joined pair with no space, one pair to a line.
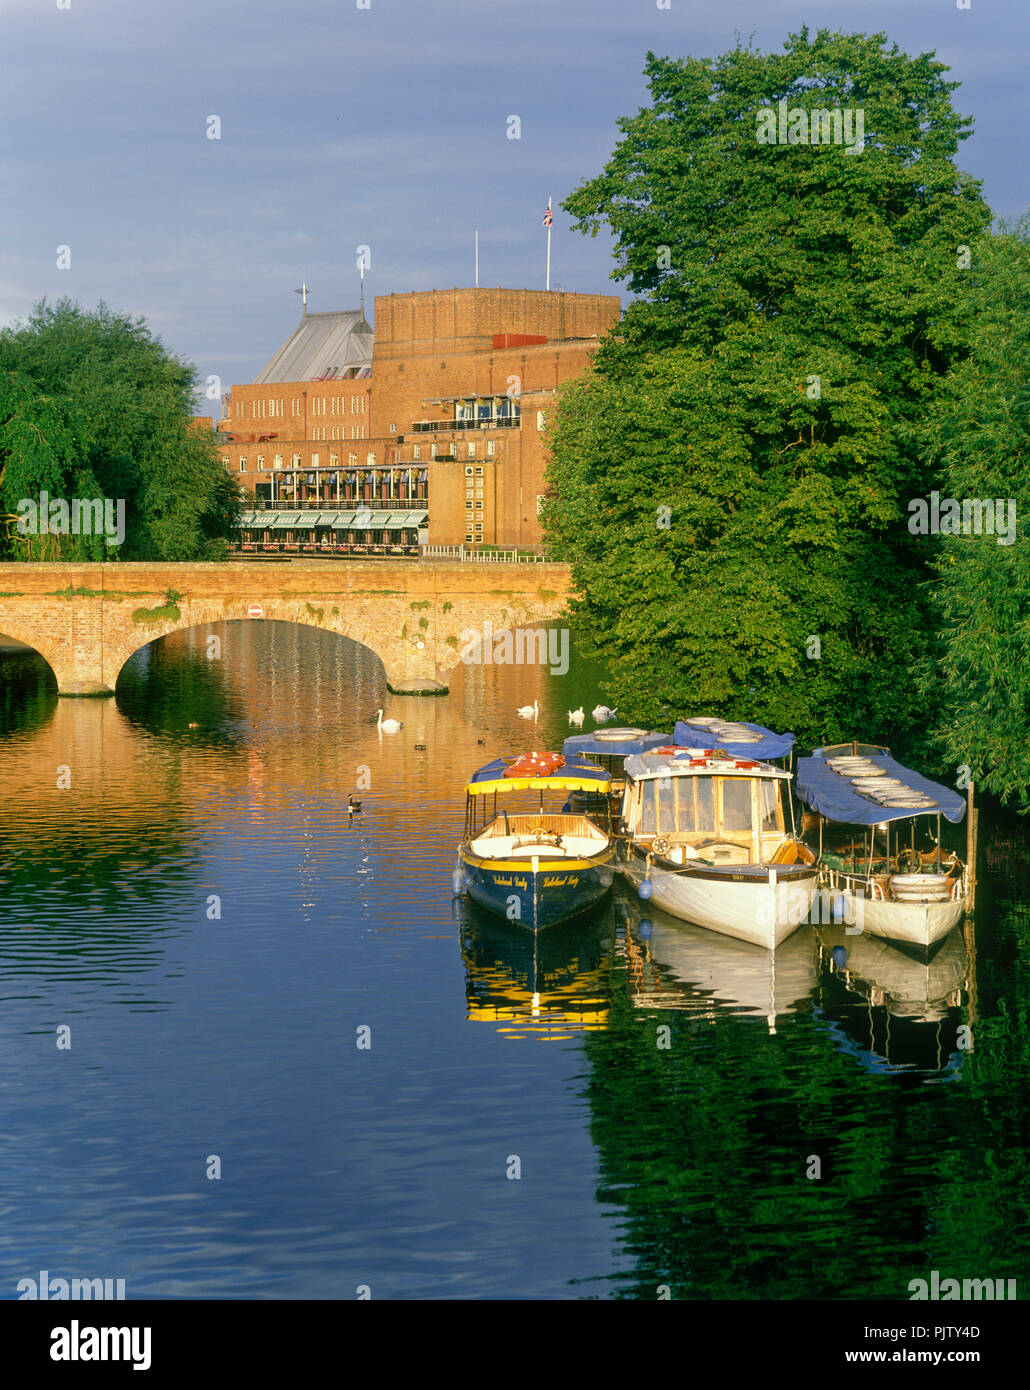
972,816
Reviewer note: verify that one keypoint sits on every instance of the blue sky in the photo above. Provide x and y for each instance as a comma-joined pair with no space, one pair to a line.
383,127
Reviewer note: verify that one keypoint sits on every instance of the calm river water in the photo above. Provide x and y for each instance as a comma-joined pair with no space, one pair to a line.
193,938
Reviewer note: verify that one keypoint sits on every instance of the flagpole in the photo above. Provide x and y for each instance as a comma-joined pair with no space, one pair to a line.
548,244
477,258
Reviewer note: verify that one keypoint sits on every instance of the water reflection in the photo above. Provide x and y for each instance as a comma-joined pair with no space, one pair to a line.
684,1164
551,984
672,964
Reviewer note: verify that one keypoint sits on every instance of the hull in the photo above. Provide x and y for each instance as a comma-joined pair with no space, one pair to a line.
914,924
541,894
746,906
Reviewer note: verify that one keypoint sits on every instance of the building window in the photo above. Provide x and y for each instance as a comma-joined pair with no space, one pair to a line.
416,451
314,460
393,428
278,461
370,458
479,471
295,406
334,459
225,463
261,463
468,506
432,451
479,505
490,448
540,504
472,451
295,460
243,463
469,538
541,419
240,408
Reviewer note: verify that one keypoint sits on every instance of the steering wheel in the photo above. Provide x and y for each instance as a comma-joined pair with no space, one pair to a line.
660,845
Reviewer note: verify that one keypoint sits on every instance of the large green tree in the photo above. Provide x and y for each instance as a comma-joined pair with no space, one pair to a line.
979,440
93,406
731,482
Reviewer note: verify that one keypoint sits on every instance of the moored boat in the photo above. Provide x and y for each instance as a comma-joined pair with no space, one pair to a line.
707,839
901,892
608,748
534,867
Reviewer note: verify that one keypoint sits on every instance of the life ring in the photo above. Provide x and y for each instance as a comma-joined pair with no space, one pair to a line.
535,765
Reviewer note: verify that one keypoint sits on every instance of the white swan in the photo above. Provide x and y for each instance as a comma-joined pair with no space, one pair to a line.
576,716
528,711
388,726
602,712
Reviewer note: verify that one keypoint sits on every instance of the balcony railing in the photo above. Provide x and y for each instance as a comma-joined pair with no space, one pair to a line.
439,426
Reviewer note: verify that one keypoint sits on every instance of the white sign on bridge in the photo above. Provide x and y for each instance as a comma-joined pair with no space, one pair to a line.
255,611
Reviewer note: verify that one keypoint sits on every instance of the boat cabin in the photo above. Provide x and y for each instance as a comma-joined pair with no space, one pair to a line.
692,804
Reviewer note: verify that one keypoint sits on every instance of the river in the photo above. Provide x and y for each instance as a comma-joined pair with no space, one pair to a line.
253,1050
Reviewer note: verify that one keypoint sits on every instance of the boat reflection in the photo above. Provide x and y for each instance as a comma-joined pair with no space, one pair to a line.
549,985
911,1010
673,964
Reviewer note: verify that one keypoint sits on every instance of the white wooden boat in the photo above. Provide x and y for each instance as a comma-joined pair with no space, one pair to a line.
890,888
706,839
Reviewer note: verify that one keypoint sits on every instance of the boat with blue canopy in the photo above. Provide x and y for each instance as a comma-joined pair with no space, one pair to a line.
533,865
707,838
895,880
739,739
609,748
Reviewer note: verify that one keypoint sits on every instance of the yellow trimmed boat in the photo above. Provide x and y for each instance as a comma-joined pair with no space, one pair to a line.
534,866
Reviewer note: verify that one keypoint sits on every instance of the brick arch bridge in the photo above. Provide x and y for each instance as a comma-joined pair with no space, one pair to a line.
86,620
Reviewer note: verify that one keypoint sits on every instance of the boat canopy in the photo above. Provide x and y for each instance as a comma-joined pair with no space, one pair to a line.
833,796
707,734
642,767
619,743
575,775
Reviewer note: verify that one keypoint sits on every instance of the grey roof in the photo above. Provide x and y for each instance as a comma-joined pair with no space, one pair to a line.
323,347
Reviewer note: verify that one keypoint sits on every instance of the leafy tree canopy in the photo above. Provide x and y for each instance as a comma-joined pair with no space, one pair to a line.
802,305
980,674
93,406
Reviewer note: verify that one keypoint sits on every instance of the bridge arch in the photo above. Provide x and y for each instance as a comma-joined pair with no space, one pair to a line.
36,643
207,615
87,620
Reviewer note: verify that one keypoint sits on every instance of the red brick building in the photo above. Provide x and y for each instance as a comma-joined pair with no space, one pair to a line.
434,424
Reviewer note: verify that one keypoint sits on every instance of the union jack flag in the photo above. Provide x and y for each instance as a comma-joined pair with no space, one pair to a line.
548,219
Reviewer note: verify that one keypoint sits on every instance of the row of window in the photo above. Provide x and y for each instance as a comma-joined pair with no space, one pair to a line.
352,458
295,461
262,408
470,450
338,432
